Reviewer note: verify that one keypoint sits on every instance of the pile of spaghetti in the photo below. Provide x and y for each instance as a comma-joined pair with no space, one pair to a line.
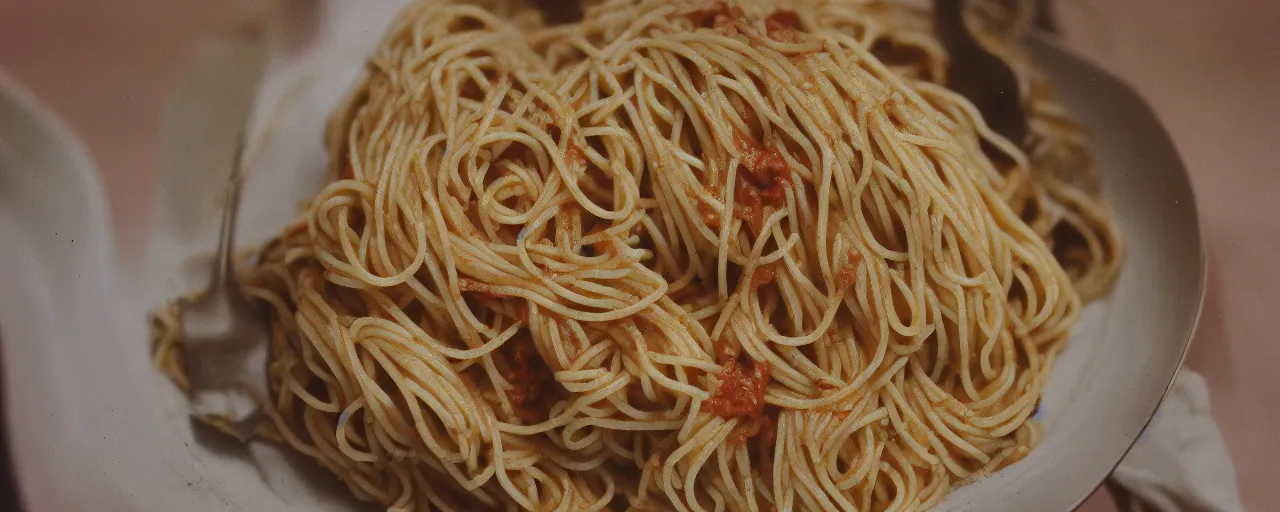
743,255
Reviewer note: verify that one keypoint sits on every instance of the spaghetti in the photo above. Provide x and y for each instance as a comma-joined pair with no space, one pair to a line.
723,256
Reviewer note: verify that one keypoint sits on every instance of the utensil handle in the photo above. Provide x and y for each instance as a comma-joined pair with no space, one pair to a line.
949,19
1046,18
224,271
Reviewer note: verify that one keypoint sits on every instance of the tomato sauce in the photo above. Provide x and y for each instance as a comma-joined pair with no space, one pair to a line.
775,194
470,286
719,15
762,427
763,163
741,395
762,276
741,391
709,216
848,273
763,180
747,204
725,350
783,26
532,393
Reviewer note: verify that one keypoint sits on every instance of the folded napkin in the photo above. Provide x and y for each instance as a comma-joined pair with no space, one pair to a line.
1180,464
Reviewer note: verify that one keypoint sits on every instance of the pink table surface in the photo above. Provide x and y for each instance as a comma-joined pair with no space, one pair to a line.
1208,68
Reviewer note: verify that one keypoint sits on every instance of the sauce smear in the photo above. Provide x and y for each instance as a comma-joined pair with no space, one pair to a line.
741,395
762,426
762,276
763,180
532,394
783,26
849,272
741,390
747,204
470,286
719,15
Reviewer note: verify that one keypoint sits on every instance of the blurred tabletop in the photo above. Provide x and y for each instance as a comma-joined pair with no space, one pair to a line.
1208,68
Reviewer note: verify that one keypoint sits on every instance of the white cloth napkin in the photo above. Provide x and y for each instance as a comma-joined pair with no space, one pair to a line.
1180,464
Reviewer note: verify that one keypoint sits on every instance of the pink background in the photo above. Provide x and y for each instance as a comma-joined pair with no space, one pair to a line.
1209,69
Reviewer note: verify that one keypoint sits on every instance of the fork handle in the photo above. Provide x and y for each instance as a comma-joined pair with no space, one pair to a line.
224,270
949,18
1046,18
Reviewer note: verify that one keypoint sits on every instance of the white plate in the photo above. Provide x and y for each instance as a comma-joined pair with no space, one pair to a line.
95,428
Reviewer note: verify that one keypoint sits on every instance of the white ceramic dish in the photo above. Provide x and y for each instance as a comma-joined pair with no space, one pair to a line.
95,428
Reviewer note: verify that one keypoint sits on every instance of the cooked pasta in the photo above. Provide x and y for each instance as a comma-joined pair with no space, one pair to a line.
741,256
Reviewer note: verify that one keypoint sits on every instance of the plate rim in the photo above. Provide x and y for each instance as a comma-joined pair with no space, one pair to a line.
1038,37
44,121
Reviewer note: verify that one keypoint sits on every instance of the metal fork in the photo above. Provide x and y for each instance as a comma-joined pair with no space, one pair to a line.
225,340
979,75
